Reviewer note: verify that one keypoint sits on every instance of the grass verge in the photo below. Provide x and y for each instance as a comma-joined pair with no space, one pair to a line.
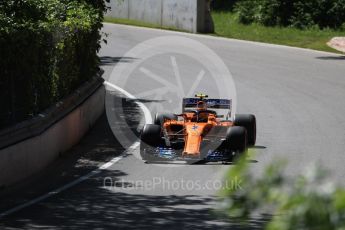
226,25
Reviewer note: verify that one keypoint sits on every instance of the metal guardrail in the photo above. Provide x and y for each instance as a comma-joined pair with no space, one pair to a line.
44,120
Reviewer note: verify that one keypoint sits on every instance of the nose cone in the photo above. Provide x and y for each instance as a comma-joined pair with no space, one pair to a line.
193,139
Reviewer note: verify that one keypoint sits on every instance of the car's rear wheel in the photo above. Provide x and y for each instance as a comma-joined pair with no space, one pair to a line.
248,121
161,117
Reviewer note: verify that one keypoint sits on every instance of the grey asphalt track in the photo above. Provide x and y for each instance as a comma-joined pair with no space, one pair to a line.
297,96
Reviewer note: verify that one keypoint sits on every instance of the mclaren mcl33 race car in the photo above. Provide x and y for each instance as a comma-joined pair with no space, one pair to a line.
198,134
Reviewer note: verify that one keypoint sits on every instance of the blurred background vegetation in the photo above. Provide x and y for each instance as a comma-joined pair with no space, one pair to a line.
47,49
297,202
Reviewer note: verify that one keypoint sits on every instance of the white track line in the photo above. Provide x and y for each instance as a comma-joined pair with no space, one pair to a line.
148,119
146,111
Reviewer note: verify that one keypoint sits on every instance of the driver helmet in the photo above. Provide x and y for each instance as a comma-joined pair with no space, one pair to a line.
201,106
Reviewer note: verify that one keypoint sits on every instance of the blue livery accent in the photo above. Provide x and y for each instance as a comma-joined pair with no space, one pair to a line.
211,103
217,156
195,127
167,153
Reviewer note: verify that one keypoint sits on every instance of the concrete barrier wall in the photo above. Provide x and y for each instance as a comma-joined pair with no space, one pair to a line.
145,10
189,15
27,157
119,8
180,14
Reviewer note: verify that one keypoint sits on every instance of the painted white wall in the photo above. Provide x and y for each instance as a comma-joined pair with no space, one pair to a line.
25,158
119,8
180,14
189,15
146,11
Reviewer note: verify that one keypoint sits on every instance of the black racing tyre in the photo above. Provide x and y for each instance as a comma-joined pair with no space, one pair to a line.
160,117
236,139
151,135
248,121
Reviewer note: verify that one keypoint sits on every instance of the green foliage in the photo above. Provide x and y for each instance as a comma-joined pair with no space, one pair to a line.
47,49
223,5
307,201
297,13
267,12
248,11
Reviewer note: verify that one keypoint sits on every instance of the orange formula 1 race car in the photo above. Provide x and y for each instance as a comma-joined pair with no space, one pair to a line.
199,134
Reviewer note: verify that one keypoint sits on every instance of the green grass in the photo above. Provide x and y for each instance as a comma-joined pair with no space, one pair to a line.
226,25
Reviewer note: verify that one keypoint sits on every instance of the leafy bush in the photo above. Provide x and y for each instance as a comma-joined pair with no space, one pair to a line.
276,12
308,201
248,11
267,12
297,13
223,5
47,49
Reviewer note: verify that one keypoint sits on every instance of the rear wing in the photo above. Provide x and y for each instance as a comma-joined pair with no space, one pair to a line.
211,103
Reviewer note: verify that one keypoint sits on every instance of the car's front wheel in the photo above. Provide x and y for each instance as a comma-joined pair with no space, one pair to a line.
151,135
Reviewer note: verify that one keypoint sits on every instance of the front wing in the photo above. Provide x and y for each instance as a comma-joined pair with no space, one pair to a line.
210,152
